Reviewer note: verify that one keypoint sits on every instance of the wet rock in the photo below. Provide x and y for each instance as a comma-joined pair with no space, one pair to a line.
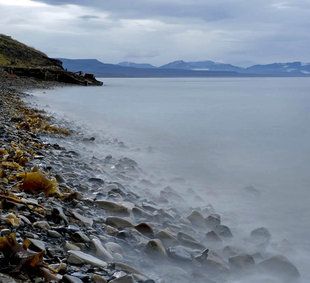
110,230
83,219
180,253
78,257
98,279
124,279
140,213
59,179
170,194
101,251
37,245
6,279
196,219
242,262
189,241
166,237
145,229
58,216
215,265
213,220
112,207
280,267
80,237
71,279
43,225
71,246
118,222
223,231
156,248
260,236
113,248
97,181
54,234
213,237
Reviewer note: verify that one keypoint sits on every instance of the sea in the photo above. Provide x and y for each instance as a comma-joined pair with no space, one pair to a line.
243,144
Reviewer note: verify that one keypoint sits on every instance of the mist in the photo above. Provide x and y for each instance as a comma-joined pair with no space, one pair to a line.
236,147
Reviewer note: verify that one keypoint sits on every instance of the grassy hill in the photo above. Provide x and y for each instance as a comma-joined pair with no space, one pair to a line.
16,54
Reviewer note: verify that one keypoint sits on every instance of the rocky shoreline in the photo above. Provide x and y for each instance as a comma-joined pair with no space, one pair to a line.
67,220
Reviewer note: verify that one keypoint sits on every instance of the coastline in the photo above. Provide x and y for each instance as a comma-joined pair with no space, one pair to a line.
116,226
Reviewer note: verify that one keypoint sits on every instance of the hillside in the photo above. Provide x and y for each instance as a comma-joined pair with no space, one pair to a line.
17,54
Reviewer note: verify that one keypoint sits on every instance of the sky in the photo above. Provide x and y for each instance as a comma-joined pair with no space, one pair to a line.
241,32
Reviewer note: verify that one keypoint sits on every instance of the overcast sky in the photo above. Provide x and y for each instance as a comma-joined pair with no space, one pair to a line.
241,32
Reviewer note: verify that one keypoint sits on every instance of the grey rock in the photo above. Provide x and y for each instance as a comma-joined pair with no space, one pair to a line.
118,222
6,279
113,248
223,231
196,219
83,219
242,262
54,234
145,229
260,236
37,245
280,267
78,257
43,225
166,237
71,246
71,279
180,253
213,220
155,248
80,237
213,237
101,251
112,207
124,279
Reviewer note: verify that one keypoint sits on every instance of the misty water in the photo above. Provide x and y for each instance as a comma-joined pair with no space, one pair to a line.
242,143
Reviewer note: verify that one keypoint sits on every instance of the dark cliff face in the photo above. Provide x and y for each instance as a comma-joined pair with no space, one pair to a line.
16,54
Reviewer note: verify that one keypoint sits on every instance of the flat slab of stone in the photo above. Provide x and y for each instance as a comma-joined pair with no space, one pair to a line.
78,257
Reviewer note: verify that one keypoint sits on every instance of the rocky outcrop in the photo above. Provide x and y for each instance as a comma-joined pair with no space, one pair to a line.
54,74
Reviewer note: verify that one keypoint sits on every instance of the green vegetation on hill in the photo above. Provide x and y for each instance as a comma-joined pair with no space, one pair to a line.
16,54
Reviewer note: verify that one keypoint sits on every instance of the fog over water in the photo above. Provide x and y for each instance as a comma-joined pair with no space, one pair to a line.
242,143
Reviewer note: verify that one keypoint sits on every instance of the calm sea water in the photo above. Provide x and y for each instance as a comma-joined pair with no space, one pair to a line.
221,135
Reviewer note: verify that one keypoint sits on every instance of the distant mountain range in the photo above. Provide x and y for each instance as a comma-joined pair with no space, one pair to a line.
184,69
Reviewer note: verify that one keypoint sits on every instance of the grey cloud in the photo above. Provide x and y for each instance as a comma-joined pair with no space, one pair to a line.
88,17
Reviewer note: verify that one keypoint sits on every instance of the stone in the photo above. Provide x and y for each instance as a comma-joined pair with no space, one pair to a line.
98,279
242,262
59,216
113,248
70,246
213,220
213,237
189,241
145,229
167,238
118,222
6,278
101,251
280,267
80,237
140,213
124,279
260,236
71,279
54,234
196,219
43,225
179,253
215,265
223,231
78,257
155,247
36,245
83,219
112,207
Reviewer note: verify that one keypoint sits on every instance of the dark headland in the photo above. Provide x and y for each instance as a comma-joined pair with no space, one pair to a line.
64,218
